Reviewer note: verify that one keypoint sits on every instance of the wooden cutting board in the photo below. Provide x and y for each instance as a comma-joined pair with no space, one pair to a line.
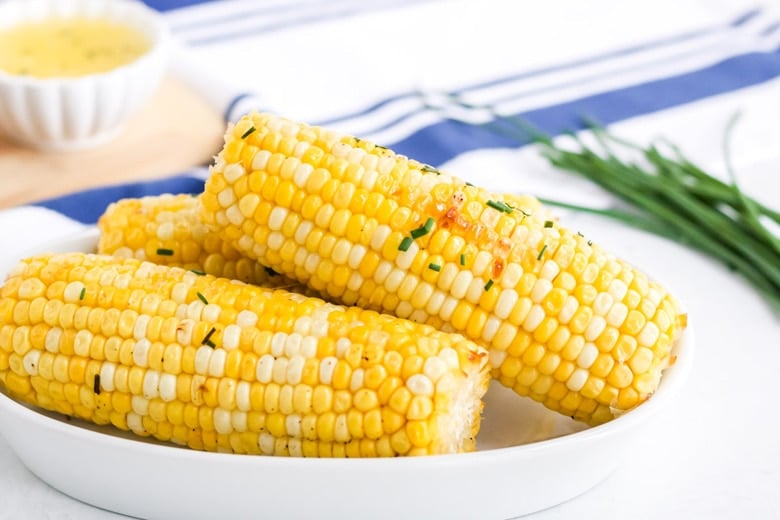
175,131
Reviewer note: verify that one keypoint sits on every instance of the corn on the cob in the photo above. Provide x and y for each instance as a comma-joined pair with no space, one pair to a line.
166,229
566,323
216,364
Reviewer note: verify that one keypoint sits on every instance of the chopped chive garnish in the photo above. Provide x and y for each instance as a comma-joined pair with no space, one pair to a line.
469,184
196,271
423,230
579,234
164,252
590,242
500,206
83,293
207,340
405,244
488,285
548,223
434,267
202,298
541,253
462,259
96,384
430,169
248,132
270,272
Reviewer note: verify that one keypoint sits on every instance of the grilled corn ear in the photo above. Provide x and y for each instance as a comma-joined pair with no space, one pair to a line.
565,322
220,365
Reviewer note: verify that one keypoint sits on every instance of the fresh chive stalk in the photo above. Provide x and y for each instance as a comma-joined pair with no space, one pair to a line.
676,199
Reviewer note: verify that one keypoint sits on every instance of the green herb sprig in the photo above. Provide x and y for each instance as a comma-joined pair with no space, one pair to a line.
674,198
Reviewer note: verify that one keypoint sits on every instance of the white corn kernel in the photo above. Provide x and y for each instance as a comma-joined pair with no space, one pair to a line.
222,423
434,368
649,335
326,370
246,318
506,302
617,289
259,161
482,262
496,358
292,424
52,341
595,328
461,284
587,356
356,255
265,368
419,384
30,362
356,381
151,384
82,342
275,240
617,314
72,292
135,423
238,419
511,276
266,442
234,215
233,172
491,327
141,352
277,217
292,345
602,304
570,306
577,380
217,363
447,308
534,318
542,287
226,197
550,270
107,371
165,231
202,357
243,399
295,369
167,387
278,341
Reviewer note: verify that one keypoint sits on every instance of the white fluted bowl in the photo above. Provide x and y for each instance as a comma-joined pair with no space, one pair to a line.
84,111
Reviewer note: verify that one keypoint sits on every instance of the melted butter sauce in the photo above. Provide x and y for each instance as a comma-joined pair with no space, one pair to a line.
72,47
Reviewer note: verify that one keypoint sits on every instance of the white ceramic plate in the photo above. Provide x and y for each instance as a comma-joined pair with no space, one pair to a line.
528,458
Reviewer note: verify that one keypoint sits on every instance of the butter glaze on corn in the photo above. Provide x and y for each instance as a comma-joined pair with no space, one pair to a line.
166,229
566,323
133,344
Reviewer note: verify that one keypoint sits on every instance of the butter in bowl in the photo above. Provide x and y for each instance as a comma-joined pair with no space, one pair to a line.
73,72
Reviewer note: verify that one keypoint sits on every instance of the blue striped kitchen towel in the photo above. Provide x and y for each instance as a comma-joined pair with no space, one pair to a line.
433,80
